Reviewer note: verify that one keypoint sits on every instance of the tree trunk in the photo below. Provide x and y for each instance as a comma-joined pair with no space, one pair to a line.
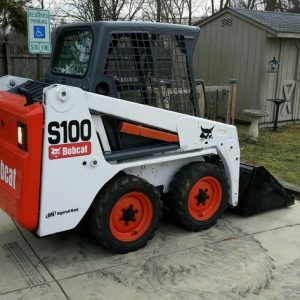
190,11
270,5
97,10
158,13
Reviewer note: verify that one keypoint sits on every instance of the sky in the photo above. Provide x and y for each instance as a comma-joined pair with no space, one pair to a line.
203,7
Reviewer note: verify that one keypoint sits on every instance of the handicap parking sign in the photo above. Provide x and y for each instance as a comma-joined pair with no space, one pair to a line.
39,36
39,32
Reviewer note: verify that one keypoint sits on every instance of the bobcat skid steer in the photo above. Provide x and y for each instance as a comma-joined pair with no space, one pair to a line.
111,134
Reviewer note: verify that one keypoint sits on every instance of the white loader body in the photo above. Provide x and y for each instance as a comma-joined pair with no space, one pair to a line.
75,168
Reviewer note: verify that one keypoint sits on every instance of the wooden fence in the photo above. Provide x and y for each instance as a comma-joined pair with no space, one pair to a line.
15,60
216,102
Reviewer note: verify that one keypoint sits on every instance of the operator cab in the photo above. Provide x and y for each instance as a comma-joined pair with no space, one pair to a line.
148,63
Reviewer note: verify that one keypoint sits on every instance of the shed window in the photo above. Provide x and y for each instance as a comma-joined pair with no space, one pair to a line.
226,22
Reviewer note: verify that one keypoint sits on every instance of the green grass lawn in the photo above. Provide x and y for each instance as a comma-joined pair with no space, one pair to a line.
278,152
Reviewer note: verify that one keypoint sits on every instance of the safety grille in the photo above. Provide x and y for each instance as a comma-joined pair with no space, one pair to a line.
151,69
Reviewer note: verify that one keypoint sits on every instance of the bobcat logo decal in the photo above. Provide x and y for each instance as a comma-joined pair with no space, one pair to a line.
206,133
55,151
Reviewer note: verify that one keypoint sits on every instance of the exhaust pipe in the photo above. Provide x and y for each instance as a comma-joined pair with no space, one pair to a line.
259,192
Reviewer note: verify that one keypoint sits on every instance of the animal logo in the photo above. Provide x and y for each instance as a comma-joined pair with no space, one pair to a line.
55,151
206,133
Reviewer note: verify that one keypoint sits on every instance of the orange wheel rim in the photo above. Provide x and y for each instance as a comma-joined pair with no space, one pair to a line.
205,198
131,216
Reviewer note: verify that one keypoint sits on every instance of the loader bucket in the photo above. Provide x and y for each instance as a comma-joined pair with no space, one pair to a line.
259,191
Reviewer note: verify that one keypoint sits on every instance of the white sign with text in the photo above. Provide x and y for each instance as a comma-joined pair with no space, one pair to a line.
38,27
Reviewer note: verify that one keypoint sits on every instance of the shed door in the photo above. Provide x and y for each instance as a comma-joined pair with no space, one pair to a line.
287,93
288,87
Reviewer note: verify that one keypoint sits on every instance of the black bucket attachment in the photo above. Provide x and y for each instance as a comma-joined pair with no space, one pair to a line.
259,191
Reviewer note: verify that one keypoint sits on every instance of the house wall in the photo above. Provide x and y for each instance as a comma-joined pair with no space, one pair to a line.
236,51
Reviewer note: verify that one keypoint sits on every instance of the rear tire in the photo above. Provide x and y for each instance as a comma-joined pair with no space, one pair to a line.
125,214
198,195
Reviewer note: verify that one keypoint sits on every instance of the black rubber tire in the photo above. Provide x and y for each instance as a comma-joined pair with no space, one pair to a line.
102,207
177,198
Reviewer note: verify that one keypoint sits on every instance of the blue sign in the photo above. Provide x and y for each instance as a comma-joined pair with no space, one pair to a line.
39,32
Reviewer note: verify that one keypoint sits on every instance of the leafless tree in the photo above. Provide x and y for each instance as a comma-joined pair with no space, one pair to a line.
121,9
77,10
268,5
196,9
171,11
96,10
293,6
248,4
219,5
282,5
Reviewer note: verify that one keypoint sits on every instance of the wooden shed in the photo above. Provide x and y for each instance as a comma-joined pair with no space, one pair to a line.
261,50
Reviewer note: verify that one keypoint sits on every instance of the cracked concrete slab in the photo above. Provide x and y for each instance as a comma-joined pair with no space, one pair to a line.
282,246
73,248
20,268
266,221
44,291
231,268
255,258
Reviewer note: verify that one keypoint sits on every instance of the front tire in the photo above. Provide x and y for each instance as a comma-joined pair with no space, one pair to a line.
125,214
198,195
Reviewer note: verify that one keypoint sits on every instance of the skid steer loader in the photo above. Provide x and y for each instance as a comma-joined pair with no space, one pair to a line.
111,134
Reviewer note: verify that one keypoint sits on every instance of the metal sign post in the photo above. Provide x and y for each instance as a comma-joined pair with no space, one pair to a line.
39,37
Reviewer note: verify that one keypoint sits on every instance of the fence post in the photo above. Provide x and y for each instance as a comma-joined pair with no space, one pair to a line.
4,65
39,66
6,59
201,97
233,83
229,104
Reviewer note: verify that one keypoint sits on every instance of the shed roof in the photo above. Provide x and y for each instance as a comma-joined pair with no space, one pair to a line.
277,23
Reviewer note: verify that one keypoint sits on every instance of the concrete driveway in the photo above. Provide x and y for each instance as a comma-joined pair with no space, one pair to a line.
254,258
